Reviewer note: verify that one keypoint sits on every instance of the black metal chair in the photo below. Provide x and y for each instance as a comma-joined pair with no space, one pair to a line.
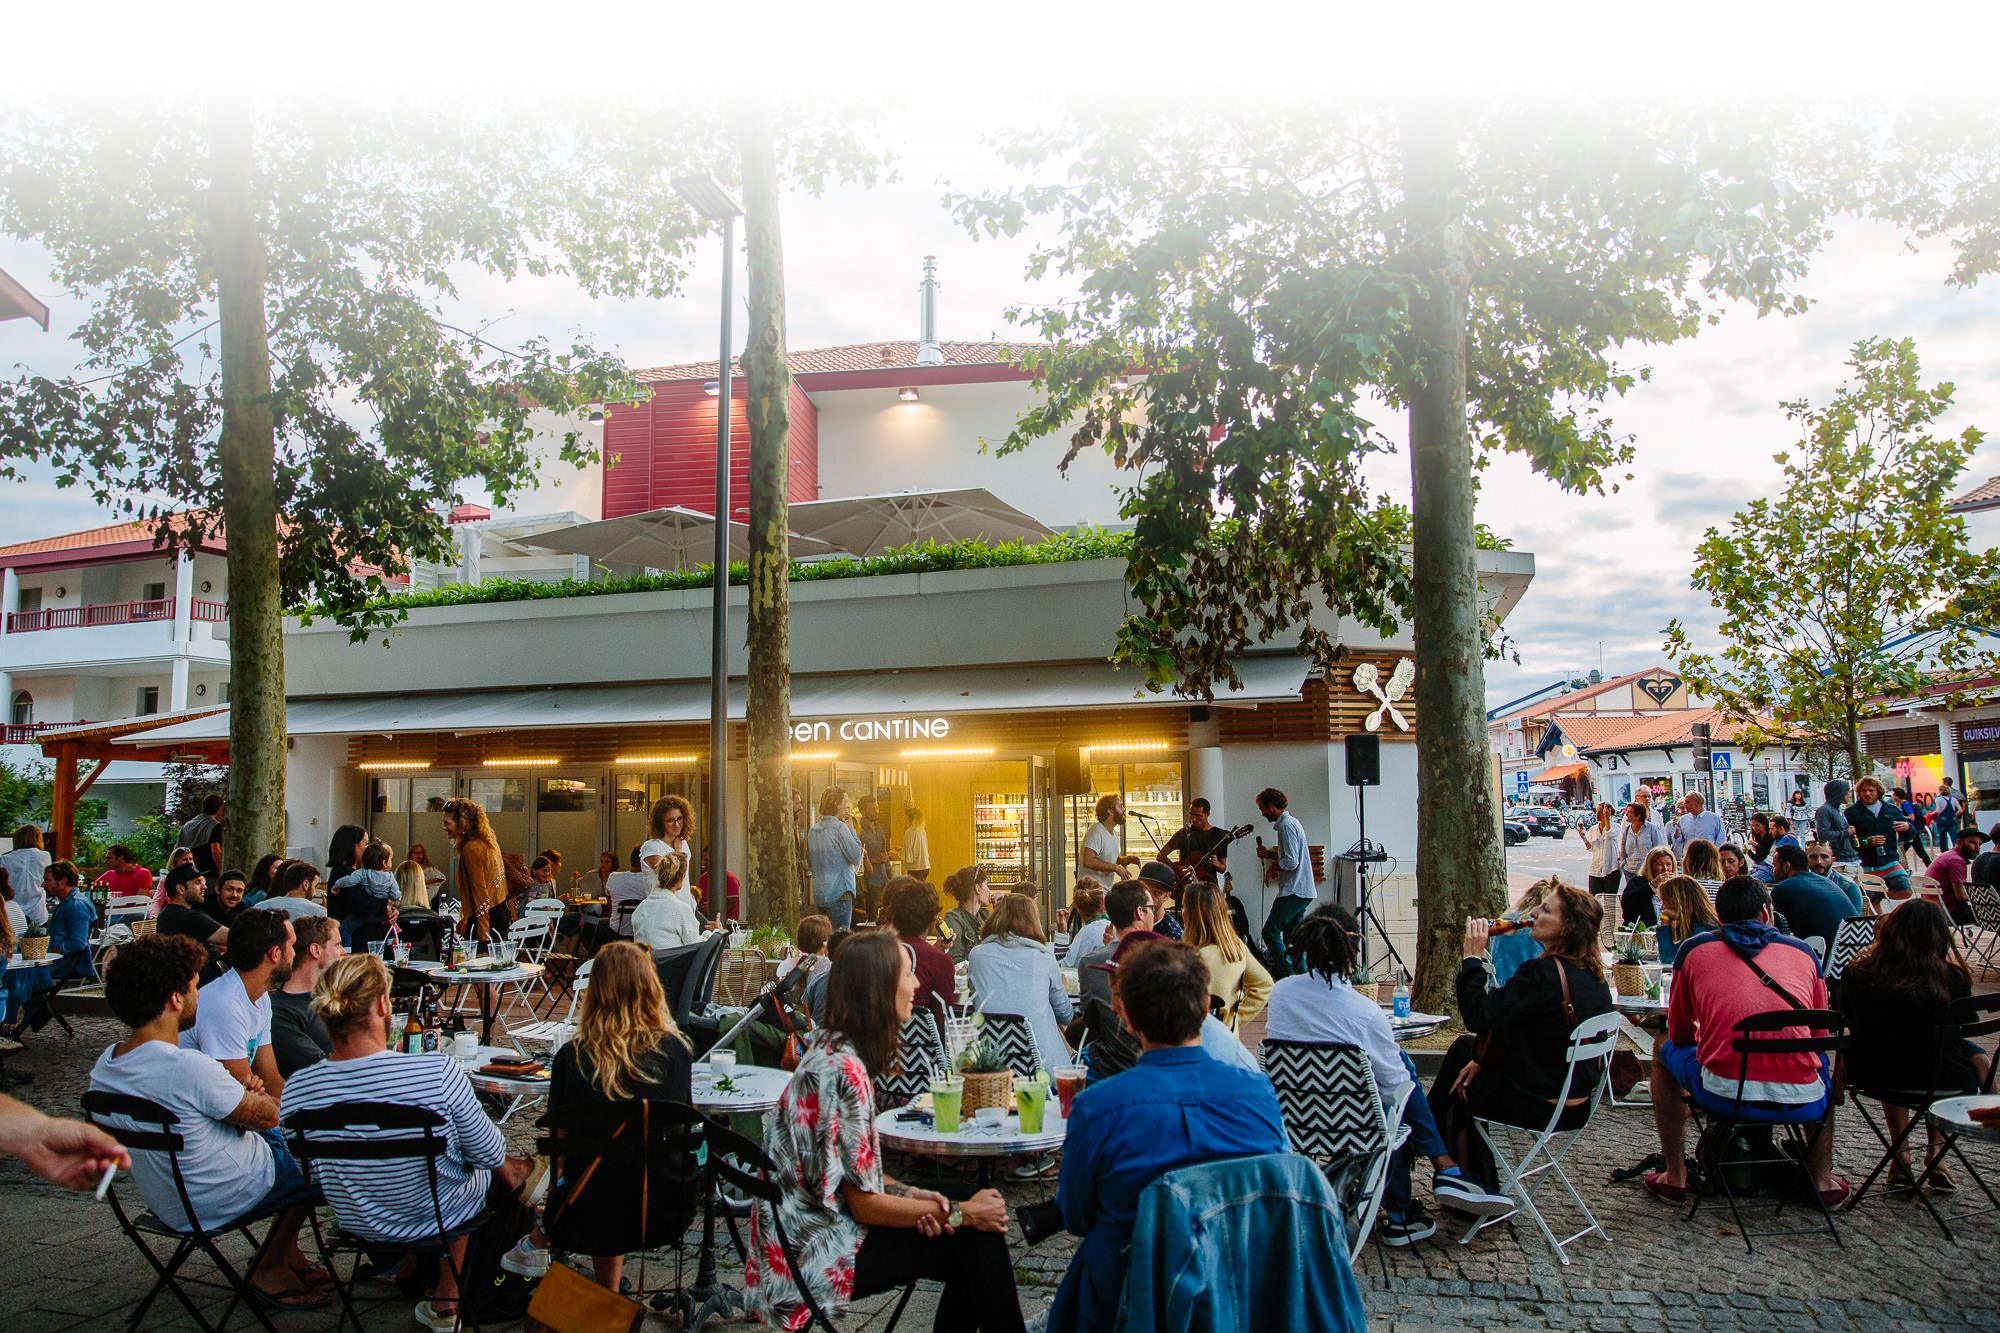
1826,1034
740,1164
155,1132
691,1012
593,1146
376,1132
1971,1019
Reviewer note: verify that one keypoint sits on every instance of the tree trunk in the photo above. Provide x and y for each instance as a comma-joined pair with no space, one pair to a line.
255,789
773,872
1460,870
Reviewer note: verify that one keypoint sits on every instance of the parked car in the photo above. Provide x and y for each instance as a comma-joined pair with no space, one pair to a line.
1544,822
1515,831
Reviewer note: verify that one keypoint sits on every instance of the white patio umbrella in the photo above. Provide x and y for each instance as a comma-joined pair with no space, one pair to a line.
669,538
871,524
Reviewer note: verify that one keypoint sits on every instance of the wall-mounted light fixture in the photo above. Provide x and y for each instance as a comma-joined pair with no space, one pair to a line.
811,756
393,765
950,752
659,760
596,412
524,761
207,585
61,593
713,388
200,691
1126,747
908,393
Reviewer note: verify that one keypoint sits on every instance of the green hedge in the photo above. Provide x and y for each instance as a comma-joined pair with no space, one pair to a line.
922,558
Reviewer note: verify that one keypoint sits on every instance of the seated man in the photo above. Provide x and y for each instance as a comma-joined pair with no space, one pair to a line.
298,1038
69,921
1819,860
1176,1107
122,874
1321,1004
1953,869
235,1023
187,894
1813,905
390,1201
234,1162
1719,980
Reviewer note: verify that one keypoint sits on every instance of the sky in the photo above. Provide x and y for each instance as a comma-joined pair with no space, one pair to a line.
1612,570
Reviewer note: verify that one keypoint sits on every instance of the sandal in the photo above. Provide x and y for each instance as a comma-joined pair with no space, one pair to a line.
308,1299
1900,1177
1657,1186
1836,1195
1941,1181
313,1275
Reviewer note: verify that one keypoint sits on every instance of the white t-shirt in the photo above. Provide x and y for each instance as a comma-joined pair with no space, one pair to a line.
1088,939
916,849
627,886
292,907
228,1170
1104,842
17,920
653,847
24,867
227,1026
663,920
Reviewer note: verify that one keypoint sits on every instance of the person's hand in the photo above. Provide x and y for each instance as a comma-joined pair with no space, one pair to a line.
931,1197
1461,1085
1902,826
69,1153
1477,931
985,1211
513,1170
930,1224
251,1083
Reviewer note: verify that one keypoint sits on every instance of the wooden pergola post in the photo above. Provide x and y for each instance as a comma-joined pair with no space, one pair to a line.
62,803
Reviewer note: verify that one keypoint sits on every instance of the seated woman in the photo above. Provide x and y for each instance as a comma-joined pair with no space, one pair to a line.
973,899
1701,861
663,919
417,922
1234,976
1685,910
856,1230
390,1202
1896,993
626,1049
1660,867
1079,929
809,941
1321,1004
1013,972
1528,1054
910,906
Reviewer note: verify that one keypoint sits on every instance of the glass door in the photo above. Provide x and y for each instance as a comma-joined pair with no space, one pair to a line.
567,813
1044,844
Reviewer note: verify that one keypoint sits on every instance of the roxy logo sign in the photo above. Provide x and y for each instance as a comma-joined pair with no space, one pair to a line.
872,729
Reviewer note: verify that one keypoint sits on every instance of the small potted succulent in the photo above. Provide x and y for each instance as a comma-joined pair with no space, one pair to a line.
989,1079
34,943
1628,974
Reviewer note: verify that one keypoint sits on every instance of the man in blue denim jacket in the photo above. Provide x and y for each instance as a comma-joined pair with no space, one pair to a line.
1176,1107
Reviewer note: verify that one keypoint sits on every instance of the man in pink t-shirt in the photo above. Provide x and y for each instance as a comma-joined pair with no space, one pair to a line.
1953,868
1717,984
123,874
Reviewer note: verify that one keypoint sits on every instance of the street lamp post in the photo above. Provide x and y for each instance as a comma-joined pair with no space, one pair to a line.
710,198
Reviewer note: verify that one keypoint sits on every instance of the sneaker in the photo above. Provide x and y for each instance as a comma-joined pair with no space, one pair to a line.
525,1259
1035,1168
1462,1194
1407,1230
427,1315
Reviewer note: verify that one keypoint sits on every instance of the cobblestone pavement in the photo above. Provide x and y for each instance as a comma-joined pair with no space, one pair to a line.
69,1268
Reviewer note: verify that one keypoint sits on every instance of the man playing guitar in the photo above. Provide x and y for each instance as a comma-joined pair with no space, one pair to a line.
1196,850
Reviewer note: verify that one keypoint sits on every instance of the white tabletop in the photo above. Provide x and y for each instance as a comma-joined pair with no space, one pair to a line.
518,972
496,1082
757,1088
46,960
1952,1112
972,1140
1640,1004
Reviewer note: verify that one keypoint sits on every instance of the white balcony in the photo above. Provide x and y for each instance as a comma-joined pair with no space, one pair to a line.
113,633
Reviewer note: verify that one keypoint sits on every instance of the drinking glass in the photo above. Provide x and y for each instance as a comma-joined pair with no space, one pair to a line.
1030,1097
946,1094
722,1062
1069,1082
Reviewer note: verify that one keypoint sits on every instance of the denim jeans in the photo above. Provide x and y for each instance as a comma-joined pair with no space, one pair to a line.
1424,1141
1285,913
840,913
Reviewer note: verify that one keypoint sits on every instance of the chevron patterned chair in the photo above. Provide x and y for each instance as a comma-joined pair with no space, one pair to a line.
1016,1040
1855,934
1333,1114
919,1057
1985,901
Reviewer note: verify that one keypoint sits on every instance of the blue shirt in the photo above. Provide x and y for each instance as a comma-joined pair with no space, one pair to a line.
1174,1108
834,853
1295,871
69,933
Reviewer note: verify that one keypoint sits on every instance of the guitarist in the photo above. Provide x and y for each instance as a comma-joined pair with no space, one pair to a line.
1190,847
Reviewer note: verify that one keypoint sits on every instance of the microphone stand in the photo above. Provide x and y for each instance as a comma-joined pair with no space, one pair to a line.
1147,821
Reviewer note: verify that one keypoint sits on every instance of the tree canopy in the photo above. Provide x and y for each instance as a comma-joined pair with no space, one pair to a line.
1849,588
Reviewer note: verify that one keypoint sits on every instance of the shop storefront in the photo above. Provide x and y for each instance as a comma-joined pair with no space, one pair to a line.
1979,766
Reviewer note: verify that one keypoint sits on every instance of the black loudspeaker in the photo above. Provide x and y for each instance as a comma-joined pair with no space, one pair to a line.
1364,760
1069,770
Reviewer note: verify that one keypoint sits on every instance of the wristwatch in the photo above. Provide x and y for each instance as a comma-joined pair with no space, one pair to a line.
956,1218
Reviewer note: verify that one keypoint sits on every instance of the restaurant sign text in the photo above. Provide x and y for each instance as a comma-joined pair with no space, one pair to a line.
872,729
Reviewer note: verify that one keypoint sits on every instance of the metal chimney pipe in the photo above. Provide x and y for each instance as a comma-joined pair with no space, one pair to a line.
928,351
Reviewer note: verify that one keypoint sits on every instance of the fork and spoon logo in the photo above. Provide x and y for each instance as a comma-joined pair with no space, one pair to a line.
1368,680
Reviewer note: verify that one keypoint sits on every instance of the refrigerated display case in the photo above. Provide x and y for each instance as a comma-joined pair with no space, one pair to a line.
1000,835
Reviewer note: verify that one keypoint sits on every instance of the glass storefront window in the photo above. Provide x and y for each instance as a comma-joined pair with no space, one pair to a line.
427,797
566,812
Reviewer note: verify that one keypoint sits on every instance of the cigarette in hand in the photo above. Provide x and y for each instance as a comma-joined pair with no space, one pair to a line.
104,1181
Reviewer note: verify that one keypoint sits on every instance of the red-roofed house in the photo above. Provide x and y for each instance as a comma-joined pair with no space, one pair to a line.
101,624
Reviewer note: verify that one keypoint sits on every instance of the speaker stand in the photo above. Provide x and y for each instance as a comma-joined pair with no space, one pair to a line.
1366,916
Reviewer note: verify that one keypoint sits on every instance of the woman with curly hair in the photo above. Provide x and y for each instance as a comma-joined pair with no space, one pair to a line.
672,821
482,878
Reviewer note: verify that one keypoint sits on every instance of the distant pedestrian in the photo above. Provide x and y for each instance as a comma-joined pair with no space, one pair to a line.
1637,841
1697,822
1830,825
202,835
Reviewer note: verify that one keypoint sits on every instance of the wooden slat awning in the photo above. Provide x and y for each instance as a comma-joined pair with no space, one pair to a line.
98,740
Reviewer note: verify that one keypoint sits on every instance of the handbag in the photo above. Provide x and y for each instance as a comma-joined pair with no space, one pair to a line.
1482,1048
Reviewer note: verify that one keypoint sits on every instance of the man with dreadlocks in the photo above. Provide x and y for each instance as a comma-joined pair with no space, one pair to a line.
1320,1004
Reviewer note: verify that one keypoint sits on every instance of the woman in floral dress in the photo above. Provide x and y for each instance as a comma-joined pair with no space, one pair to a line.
856,1231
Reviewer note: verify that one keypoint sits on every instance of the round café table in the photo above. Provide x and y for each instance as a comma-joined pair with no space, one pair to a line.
521,1090
1955,1114
753,1090
985,1144
487,982
1415,1026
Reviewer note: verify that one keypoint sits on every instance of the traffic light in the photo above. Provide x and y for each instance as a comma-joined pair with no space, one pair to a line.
1700,732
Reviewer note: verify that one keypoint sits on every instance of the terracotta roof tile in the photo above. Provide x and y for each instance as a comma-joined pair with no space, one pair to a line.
854,356
1591,732
112,534
1986,495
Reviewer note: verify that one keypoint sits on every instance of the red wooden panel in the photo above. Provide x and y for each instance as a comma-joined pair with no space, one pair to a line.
663,453
802,481
628,461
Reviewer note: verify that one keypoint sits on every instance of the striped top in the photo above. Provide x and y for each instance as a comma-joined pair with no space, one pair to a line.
391,1200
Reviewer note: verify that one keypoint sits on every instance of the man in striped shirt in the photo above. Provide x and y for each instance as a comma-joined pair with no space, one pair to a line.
390,1201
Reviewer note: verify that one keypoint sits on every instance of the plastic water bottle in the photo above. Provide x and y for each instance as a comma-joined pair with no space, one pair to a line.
1401,1004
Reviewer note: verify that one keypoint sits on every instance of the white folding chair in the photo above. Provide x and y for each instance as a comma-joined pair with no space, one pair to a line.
531,935
553,906
1591,1043
556,1032
127,905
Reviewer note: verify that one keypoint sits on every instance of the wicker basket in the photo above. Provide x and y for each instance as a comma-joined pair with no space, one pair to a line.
1628,978
142,927
33,946
987,1090
740,975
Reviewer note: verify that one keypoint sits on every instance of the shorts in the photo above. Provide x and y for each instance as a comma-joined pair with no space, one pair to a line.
289,1185
1684,1063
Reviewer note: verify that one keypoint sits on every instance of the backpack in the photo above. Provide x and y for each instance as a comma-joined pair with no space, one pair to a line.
489,1294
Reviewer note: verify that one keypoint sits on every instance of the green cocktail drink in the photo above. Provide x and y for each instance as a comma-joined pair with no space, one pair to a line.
945,1095
1031,1096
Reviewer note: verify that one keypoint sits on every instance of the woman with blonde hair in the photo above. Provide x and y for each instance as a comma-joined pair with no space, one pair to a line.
1685,909
482,877
1234,975
1702,860
413,893
626,1049
1013,972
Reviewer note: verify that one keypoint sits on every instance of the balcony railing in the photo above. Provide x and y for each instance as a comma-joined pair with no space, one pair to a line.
27,733
111,613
